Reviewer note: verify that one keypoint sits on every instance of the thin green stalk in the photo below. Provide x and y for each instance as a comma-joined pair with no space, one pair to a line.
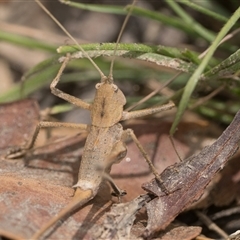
23,89
133,51
96,7
203,32
26,41
168,20
137,11
196,75
204,10
227,67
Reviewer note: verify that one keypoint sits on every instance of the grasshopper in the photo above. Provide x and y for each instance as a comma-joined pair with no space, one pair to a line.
105,143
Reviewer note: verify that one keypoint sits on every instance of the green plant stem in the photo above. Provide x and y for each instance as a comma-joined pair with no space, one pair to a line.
204,10
197,73
26,41
203,32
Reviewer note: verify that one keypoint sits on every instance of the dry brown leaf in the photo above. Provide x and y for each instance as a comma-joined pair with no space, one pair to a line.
17,125
180,232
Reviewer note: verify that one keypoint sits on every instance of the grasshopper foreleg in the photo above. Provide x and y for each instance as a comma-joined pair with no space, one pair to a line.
57,92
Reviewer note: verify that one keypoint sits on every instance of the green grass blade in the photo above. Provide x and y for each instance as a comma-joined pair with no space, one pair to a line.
203,32
96,7
136,11
196,75
26,41
135,51
171,21
227,67
204,10
33,83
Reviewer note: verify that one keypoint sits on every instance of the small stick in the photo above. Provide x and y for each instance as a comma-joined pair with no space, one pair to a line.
153,93
211,225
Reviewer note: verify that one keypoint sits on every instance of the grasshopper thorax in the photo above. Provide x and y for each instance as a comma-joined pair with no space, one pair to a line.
107,105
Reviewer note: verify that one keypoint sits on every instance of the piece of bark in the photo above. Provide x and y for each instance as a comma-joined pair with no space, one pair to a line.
187,180
223,189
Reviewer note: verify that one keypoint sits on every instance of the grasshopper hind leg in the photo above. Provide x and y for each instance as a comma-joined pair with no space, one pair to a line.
118,153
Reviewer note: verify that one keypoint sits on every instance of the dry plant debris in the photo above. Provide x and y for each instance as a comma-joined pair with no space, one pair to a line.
187,180
32,194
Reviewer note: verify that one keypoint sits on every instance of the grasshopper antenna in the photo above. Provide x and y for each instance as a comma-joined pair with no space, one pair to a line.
103,77
110,77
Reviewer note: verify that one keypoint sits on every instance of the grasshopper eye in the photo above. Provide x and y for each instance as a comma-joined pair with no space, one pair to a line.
98,85
115,87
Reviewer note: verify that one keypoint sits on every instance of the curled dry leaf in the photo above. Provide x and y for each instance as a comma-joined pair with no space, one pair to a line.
187,180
